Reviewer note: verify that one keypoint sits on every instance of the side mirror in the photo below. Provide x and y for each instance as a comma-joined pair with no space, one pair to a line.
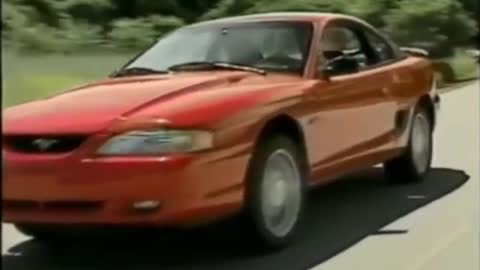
340,65
415,51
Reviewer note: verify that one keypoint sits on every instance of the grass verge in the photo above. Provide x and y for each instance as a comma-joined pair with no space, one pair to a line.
29,77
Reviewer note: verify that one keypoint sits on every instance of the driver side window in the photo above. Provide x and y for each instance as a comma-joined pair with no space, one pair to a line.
340,41
344,42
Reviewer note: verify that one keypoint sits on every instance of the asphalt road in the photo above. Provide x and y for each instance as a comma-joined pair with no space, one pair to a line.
443,234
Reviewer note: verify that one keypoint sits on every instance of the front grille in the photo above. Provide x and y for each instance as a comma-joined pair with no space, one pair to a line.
71,206
20,205
42,144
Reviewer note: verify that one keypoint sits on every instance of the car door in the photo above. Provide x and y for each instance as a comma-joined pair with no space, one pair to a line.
398,91
354,112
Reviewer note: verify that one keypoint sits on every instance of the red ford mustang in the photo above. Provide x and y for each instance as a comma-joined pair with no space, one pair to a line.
238,114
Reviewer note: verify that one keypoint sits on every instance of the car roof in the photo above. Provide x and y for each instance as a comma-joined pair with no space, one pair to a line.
279,16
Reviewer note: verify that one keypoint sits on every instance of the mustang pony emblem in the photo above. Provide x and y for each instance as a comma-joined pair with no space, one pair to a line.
44,144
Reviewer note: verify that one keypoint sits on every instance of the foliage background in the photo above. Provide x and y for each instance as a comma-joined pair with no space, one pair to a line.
72,25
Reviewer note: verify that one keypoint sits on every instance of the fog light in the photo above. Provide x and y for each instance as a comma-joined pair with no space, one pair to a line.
146,205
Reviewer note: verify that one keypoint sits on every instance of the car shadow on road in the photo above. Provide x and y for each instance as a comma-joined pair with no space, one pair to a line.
339,215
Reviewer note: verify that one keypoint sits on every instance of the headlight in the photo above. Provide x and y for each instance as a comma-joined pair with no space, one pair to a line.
157,142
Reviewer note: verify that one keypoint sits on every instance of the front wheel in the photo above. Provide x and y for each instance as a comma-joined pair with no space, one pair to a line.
415,162
275,192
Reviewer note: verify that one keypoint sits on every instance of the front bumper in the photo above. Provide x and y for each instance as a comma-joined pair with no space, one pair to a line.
63,190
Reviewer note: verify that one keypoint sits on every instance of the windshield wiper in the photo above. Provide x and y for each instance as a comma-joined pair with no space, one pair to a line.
206,65
138,71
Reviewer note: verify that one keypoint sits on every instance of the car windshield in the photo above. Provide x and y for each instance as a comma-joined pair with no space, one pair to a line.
273,46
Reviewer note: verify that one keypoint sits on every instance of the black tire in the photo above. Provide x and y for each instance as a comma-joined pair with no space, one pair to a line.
255,177
403,168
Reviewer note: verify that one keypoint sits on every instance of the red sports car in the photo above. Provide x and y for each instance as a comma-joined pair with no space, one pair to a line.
237,114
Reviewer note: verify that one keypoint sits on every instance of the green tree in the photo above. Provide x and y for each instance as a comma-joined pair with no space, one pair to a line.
226,8
98,12
78,35
188,10
372,11
193,10
15,15
139,33
442,21
134,23
300,5
473,9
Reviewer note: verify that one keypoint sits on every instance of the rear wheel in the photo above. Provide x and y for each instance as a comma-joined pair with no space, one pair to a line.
416,160
275,192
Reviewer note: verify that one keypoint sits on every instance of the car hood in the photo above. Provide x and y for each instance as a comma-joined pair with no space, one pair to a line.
93,107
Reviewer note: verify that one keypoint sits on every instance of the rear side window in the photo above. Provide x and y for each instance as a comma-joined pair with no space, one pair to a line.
382,49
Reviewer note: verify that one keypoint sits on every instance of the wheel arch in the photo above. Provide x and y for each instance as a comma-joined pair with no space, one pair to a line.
426,102
287,125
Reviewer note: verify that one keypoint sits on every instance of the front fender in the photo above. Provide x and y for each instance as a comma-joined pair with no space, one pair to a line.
245,126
